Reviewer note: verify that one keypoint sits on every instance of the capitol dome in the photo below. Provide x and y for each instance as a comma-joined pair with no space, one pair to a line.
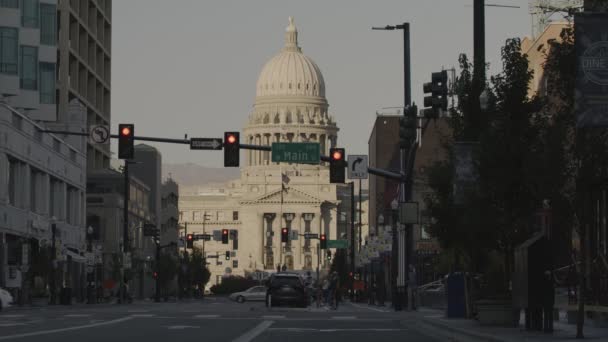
291,73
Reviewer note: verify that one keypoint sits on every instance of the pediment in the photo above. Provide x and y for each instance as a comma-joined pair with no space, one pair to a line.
290,196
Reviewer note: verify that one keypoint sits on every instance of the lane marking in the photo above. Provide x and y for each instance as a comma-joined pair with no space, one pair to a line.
143,315
54,331
273,316
336,330
182,327
369,308
206,316
10,324
78,315
253,333
344,317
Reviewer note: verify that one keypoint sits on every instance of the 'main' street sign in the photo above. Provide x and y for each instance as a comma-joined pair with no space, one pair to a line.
302,153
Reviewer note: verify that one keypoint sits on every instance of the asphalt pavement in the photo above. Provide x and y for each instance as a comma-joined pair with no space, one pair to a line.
212,319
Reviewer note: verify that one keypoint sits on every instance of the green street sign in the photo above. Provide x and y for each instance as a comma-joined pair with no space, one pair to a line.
301,153
340,244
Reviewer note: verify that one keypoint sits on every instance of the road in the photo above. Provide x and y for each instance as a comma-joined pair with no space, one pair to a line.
214,319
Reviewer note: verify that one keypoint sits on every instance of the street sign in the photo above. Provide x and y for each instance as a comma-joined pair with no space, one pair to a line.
340,244
217,235
206,237
150,230
99,134
301,153
311,235
357,166
206,143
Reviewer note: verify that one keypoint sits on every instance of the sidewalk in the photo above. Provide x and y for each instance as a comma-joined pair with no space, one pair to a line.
474,331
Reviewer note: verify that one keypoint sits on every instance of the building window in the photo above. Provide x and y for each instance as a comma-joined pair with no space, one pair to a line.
13,174
9,3
29,67
48,24
8,50
56,145
29,13
47,83
220,216
17,121
235,216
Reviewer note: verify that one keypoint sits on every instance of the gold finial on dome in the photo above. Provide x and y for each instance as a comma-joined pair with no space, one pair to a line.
291,37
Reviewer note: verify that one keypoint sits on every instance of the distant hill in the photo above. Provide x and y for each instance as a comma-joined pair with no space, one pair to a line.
191,174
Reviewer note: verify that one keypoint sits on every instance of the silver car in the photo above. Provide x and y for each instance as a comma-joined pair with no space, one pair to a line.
256,293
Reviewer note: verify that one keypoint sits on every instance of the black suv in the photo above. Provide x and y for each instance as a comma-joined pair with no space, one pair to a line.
286,288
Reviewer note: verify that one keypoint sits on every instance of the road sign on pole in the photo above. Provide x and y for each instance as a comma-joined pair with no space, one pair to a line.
206,237
301,153
311,235
99,134
340,244
206,143
357,166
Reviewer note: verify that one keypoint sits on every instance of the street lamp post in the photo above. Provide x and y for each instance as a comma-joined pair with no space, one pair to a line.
380,288
395,256
90,275
52,282
407,100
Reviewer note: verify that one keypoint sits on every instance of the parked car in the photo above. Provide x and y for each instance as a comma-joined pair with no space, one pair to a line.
286,288
5,298
251,294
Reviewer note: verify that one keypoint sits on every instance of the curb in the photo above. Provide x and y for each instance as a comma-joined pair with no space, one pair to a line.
432,322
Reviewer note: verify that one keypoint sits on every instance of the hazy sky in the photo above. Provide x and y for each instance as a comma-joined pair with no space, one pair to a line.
190,66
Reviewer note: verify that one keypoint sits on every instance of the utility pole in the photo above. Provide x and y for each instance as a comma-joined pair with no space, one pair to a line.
125,232
52,284
157,280
352,240
479,42
360,220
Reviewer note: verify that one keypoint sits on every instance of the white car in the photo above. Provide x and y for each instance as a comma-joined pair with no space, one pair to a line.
5,298
256,293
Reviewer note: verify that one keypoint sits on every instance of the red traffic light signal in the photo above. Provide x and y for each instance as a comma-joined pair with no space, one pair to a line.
189,241
125,141
284,235
225,236
232,149
323,240
336,165
155,275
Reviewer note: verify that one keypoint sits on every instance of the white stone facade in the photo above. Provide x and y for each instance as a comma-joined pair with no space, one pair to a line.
290,106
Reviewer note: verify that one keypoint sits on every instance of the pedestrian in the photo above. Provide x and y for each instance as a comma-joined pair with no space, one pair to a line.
412,287
548,301
326,291
334,290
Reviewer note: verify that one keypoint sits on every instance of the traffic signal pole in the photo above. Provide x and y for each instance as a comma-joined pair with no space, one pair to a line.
125,232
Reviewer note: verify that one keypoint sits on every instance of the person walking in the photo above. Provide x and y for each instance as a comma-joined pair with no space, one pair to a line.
548,301
334,290
326,291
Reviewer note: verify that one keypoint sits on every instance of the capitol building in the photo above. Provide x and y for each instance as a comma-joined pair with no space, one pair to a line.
290,106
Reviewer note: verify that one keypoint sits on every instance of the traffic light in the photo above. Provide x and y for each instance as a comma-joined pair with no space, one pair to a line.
336,165
225,236
323,240
408,124
227,255
125,141
155,275
328,255
231,149
190,241
438,88
284,235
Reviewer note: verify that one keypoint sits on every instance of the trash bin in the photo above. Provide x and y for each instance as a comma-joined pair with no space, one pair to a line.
455,292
